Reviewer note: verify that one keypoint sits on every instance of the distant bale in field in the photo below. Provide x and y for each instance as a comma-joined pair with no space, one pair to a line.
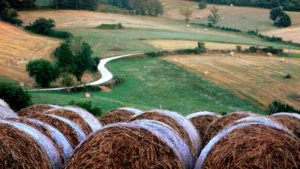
132,145
251,145
201,120
206,73
6,112
289,120
119,115
22,146
179,124
60,141
4,104
70,130
219,124
36,109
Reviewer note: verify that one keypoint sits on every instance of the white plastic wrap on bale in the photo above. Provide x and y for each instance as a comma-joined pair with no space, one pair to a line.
287,114
6,113
247,113
133,110
43,141
202,113
171,138
61,141
205,151
187,125
4,104
86,116
74,126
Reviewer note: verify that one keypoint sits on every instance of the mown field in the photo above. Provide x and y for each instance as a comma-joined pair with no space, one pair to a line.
18,47
155,83
258,79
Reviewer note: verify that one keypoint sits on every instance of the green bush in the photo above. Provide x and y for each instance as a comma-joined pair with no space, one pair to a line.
113,9
10,15
83,89
202,4
111,26
16,97
277,107
272,50
96,111
200,48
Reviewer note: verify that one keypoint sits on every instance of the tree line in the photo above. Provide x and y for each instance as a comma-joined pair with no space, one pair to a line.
290,5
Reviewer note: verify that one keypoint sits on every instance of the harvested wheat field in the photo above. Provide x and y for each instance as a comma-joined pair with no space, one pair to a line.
172,44
290,33
258,79
18,47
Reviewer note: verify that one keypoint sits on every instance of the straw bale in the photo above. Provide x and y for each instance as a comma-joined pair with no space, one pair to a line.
251,145
201,120
89,118
119,115
22,146
7,113
289,120
69,129
221,123
132,146
72,116
36,109
4,104
179,123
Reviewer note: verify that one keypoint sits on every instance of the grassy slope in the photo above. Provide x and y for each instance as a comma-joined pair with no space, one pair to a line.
151,83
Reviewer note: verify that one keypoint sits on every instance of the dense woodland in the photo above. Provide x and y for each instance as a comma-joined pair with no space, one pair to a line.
291,5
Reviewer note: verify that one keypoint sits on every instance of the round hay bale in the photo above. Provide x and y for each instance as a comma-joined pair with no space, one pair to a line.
289,120
87,116
179,123
188,26
206,74
251,145
221,123
72,116
60,142
69,129
36,109
119,115
7,113
87,95
4,104
232,53
132,145
201,120
22,146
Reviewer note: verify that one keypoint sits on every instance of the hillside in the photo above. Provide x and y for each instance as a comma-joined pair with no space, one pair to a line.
258,79
17,47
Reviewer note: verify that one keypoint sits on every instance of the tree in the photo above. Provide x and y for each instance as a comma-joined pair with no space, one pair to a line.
67,80
10,15
41,26
83,61
65,57
214,17
186,12
16,97
43,71
283,21
275,13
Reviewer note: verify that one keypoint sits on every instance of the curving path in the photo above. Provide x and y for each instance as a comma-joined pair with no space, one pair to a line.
106,75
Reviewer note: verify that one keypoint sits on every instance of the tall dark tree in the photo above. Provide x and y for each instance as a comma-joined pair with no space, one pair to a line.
65,58
275,13
83,61
43,71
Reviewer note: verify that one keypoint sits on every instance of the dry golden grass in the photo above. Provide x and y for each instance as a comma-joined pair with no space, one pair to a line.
17,47
170,44
290,33
258,79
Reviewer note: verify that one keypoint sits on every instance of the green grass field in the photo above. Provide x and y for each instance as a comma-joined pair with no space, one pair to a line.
132,39
151,83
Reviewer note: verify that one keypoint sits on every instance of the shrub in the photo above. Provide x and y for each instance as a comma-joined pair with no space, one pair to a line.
200,48
202,4
111,26
277,107
60,34
96,111
83,89
113,9
16,97
272,50
10,15
186,51
288,76
253,49
239,48
283,21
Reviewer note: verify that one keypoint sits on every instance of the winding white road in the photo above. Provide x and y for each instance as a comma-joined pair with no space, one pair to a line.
106,75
